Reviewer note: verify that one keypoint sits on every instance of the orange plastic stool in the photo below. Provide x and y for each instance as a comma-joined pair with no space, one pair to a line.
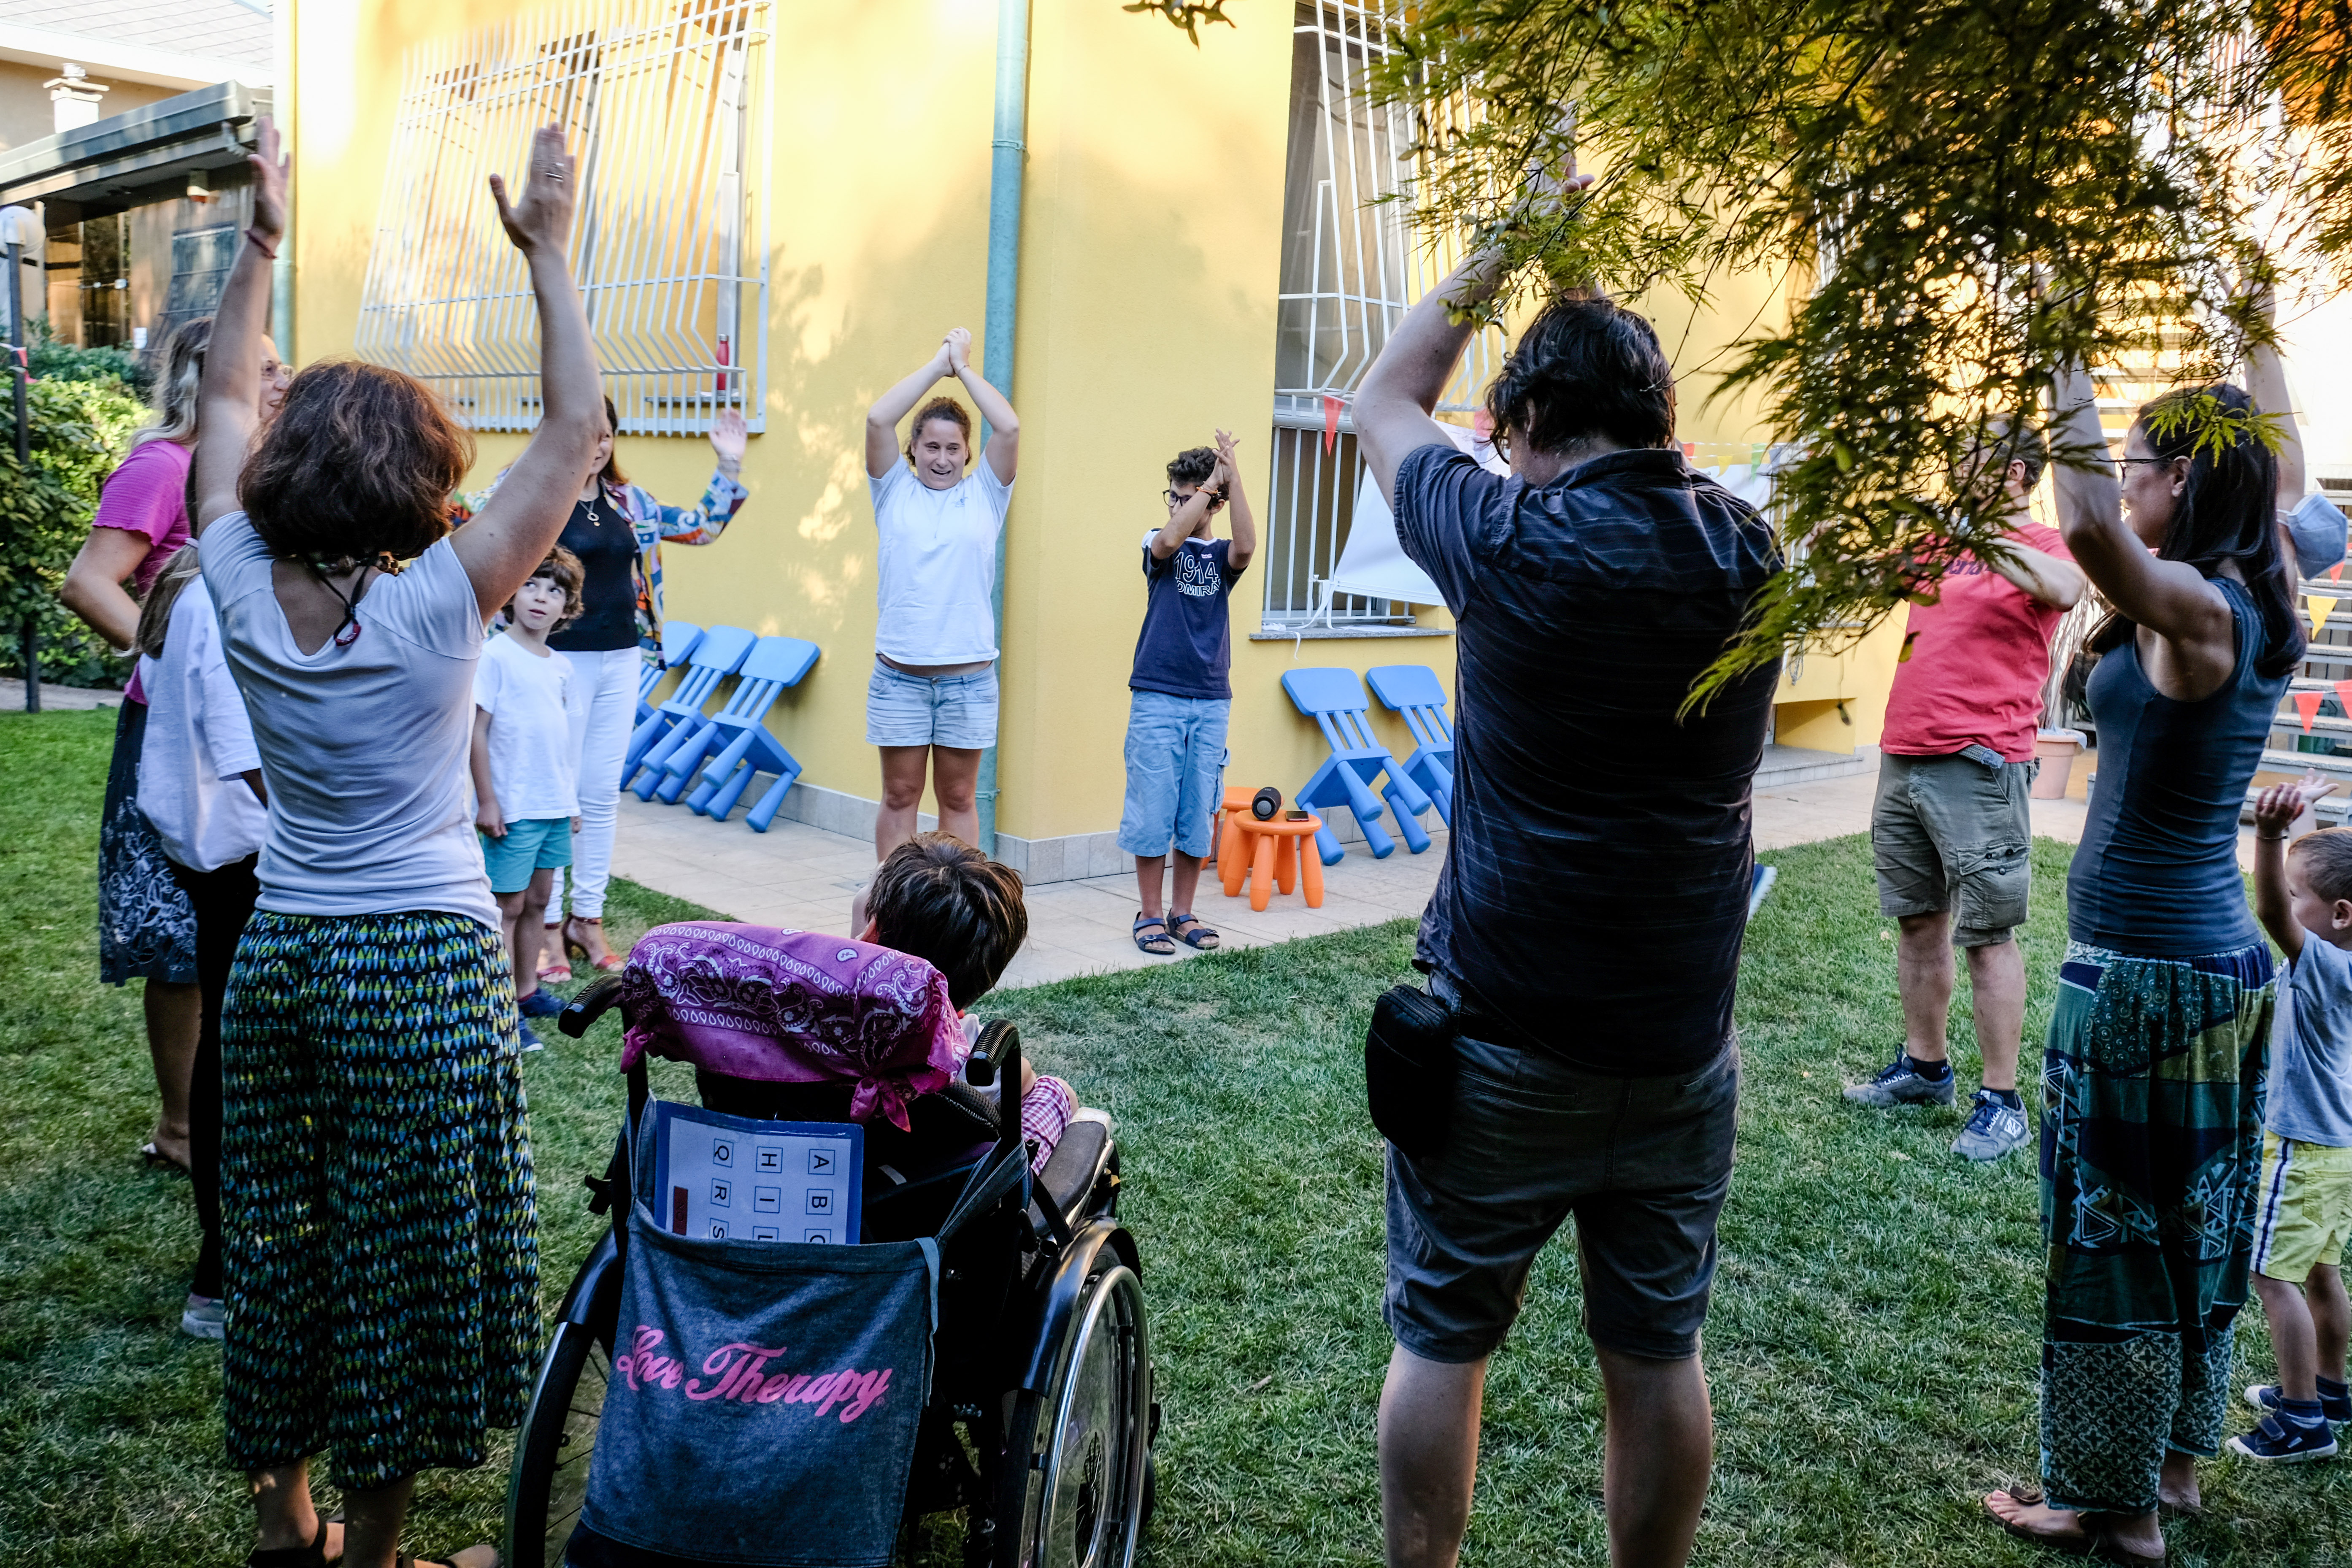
1228,836
1270,855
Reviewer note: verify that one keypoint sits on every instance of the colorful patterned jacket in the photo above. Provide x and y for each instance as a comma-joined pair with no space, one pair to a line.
653,524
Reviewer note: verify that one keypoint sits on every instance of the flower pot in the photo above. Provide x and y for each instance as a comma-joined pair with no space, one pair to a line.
2056,750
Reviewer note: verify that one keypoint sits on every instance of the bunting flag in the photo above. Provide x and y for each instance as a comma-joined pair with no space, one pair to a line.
1331,406
2343,697
2307,704
2335,573
2322,607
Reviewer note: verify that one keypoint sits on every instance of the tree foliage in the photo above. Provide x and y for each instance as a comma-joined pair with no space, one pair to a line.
1903,167
79,430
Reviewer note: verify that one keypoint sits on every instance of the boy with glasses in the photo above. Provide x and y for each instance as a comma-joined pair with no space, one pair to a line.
1182,698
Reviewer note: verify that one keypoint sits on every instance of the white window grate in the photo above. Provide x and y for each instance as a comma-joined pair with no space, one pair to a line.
666,104
1353,264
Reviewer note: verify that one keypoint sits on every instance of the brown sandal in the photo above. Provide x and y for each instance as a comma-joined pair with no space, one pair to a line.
610,963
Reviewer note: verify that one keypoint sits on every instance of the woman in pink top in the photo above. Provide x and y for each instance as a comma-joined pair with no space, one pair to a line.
146,928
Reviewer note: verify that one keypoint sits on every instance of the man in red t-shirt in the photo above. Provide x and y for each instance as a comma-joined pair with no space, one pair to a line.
1950,829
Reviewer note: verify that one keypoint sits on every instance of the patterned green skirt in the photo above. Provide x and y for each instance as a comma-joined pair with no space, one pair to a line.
380,1243
2151,1152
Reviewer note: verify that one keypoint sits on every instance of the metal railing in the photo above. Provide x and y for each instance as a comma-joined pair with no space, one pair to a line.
667,104
1353,264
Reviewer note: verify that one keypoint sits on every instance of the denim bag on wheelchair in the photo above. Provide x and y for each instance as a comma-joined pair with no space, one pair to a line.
764,1395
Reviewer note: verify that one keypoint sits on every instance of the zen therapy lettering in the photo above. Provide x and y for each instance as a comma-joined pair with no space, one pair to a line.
737,1372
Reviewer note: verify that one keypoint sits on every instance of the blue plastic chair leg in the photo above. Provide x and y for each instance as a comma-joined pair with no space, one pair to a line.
1327,846
763,814
1416,837
704,793
723,800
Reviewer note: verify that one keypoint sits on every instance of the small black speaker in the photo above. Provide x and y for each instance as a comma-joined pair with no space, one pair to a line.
1266,805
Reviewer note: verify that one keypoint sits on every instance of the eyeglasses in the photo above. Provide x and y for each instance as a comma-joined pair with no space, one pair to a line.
2122,464
1175,500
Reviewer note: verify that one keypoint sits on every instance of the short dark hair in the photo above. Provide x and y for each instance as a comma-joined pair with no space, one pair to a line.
358,466
2327,858
1193,466
2011,438
1586,367
940,900
563,569
941,408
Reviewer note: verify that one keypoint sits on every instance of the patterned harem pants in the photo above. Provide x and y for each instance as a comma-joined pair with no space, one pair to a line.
381,1245
2151,1150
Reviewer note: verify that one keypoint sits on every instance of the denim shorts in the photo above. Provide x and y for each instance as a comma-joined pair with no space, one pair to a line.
1950,833
1641,1164
532,844
1175,773
957,711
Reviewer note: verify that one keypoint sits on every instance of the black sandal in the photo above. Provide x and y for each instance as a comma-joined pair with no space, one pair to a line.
1158,946
1200,936
311,1556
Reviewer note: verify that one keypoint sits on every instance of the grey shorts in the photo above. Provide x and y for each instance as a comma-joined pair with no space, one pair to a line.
1951,834
1643,1163
955,710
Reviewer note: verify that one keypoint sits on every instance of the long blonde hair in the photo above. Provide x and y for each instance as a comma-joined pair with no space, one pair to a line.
155,612
181,370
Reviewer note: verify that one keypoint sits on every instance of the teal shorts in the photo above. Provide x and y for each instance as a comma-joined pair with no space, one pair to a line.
529,846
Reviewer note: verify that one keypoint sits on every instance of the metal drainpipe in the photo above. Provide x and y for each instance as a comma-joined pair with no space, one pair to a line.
1006,153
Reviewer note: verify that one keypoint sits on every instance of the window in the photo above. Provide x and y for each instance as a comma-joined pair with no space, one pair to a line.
1351,265
200,264
666,104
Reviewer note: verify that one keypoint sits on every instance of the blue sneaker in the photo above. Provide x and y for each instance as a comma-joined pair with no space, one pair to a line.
1898,1085
2278,1441
542,1003
2265,1397
525,1041
1994,1128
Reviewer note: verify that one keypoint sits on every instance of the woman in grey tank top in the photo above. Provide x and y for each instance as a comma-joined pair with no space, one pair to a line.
2151,1126
379,1235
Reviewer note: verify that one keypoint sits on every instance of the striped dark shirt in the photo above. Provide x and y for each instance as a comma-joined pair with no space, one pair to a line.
1596,890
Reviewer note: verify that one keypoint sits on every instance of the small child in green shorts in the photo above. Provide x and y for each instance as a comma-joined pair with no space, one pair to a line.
2302,1211
526,768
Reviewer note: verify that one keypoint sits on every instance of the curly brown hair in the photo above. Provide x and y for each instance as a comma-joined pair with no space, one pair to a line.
357,466
936,898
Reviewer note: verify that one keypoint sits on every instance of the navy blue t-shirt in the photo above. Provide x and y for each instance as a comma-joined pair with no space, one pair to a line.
1186,645
1595,893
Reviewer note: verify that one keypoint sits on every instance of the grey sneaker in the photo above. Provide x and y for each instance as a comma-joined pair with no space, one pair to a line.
205,1317
1898,1085
1993,1129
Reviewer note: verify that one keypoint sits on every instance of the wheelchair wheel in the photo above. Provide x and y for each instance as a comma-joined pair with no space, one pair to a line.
550,1479
1072,1487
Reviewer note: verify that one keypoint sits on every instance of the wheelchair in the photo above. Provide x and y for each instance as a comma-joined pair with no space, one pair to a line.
1040,1419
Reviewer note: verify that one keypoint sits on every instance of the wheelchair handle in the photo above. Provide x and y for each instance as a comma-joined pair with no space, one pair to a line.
996,1058
600,996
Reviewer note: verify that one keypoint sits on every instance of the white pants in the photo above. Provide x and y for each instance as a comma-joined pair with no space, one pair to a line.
602,702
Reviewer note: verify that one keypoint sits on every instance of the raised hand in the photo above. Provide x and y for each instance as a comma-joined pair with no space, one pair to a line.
541,219
958,345
2276,808
729,436
1226,459
269,165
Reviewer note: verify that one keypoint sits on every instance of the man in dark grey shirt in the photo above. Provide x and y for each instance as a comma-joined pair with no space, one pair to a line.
1586,927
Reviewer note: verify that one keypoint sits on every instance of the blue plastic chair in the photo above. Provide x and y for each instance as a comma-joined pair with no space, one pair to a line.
715,657
677,641
1334,700
1412,689
739,733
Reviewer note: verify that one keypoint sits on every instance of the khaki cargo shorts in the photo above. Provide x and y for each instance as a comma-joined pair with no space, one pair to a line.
1950,833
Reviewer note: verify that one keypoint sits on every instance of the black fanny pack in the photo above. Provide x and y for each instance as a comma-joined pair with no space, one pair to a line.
1409,1069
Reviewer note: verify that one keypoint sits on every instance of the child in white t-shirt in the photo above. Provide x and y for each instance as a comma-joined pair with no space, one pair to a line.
526,768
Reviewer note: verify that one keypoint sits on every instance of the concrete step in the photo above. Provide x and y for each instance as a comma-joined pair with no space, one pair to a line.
1784,765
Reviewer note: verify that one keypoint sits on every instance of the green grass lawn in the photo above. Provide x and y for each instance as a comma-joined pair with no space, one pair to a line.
1872,1345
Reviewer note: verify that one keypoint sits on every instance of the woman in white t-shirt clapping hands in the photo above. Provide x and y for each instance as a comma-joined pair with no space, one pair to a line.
934,692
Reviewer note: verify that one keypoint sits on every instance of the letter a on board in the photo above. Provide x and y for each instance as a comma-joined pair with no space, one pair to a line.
2307,704
2322,607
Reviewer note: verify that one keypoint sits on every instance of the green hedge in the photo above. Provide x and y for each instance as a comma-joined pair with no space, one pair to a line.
81,414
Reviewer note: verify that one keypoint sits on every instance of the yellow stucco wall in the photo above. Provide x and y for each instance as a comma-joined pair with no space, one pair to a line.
1151,237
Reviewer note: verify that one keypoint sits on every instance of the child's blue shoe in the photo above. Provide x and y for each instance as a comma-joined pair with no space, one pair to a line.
2265,1397
540,1004
525,1041
2279,1440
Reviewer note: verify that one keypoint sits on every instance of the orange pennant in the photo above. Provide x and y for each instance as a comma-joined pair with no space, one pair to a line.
2344,696
1332,408
2335,573
2307,704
